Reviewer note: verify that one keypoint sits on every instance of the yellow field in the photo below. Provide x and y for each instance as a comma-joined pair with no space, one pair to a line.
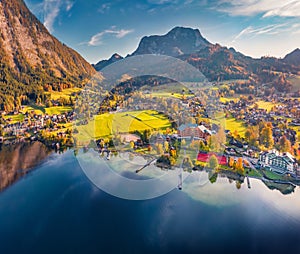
265,105
36,109
108,124
226,99
14,118
57,110
235,125
39,110
66,93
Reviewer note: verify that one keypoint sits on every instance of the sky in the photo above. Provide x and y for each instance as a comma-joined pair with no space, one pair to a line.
97,29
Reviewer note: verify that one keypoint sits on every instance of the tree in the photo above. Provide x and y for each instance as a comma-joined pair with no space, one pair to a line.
266,137
284,144
221,136
252,135
231,162
173,153
239,166
166,145
213,162
160,149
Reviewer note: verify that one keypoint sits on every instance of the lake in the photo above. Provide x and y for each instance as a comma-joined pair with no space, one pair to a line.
55,208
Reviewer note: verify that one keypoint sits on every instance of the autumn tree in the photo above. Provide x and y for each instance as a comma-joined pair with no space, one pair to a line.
252,135
213,162
266,137
160,149
166,145
284,144
239,166
231,162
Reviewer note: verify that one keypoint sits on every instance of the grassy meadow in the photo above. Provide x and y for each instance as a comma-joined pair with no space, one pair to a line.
66,93
109,124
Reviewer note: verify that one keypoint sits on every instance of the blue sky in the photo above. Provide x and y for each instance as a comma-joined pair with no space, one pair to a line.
97,29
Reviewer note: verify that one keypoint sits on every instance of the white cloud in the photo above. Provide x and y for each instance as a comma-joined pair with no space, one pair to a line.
96,40
266,30
51,10
288,8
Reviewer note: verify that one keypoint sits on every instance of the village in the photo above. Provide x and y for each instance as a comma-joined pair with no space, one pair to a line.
266,148
266,140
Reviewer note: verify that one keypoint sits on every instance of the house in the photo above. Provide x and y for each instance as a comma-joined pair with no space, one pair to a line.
278,162
189,131
127,138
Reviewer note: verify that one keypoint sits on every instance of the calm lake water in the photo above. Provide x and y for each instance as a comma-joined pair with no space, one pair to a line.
56,209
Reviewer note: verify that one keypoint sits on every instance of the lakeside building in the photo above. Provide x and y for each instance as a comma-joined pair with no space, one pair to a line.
278,162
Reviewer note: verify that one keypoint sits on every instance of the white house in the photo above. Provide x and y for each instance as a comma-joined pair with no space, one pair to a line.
278,162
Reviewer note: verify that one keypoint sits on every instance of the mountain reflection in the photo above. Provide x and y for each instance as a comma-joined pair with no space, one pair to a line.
17,160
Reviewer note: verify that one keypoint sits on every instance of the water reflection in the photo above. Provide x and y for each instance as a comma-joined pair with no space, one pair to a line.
17,160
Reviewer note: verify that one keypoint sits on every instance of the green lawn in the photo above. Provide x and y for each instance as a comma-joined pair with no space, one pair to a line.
272,175
40,110
107,124
254,173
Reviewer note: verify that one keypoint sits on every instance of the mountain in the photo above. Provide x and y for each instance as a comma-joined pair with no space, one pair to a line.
31,58
293,57
220,63
179,41
114,58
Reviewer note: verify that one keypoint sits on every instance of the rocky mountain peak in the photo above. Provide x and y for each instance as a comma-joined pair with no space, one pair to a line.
178,41
103,63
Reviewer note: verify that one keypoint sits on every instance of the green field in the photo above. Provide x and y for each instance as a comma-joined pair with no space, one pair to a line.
39,110
108,124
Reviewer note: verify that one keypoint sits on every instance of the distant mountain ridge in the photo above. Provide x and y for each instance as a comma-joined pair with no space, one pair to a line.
217,63
114,58
31,57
